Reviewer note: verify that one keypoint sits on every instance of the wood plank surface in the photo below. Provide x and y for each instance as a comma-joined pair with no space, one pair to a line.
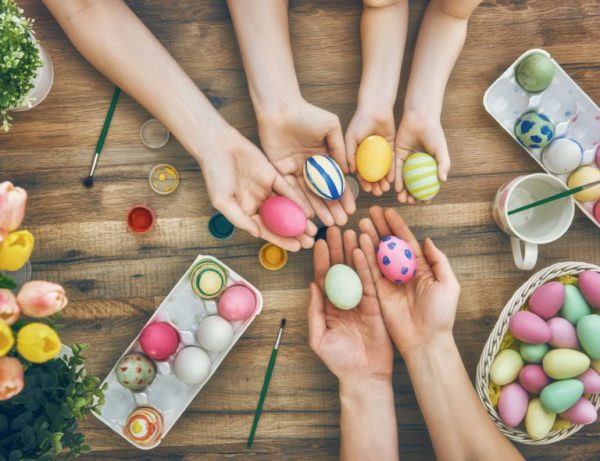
116,279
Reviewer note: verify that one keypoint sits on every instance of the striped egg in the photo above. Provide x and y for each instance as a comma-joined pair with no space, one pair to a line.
208,279
420,176
324,177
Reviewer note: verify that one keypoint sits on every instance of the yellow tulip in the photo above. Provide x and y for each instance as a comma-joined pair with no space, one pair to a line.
7,340
38,343
16,250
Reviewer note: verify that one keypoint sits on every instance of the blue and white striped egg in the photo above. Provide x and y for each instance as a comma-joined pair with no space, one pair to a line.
324,177
420,176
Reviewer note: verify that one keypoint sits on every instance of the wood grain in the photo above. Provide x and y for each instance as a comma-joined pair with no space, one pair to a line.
116,279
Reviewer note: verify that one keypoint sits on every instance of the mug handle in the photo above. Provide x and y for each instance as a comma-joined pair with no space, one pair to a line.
525,258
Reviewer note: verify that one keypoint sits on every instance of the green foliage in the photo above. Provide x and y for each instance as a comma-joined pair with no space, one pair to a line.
19,58
7,282
41,422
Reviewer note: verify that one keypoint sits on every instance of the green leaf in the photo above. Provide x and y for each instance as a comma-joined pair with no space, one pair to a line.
15,455
21,420
7,282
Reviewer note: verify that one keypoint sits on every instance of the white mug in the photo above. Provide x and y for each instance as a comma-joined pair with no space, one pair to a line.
536,226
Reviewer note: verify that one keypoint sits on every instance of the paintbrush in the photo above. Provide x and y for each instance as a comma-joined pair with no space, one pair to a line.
89,181
265,388
552,198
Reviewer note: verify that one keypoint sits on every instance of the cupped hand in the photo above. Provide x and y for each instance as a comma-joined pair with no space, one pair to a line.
421,311
353,344
239,178
366,122
418,133
297,132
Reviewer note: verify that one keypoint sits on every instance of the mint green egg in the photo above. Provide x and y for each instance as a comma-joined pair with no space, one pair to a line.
533,353
535,73
561,395
588,333
505,367
575,305
343,287
565,363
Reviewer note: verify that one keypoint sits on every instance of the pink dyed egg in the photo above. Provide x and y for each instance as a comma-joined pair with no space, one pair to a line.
396,260
530,328
547,300
564,334
591,381
583,412
512,404
589,285
237,303
283,217
533,379
159,340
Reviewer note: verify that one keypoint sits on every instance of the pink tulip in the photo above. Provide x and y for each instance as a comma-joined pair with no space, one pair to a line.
12,208
9,309
11,377
41,299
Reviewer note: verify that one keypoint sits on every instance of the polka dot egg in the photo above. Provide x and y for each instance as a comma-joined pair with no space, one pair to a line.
136,371
534,130
420,176
396,260
324,177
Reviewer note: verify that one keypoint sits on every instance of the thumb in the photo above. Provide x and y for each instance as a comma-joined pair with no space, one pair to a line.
232,211
438,261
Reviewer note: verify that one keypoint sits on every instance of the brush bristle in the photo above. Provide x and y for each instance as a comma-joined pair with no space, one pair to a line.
89,181
282,323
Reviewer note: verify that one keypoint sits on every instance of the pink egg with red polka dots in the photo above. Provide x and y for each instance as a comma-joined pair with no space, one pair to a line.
396,260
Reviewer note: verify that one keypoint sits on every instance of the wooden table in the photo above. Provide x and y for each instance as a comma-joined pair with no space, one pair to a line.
115,279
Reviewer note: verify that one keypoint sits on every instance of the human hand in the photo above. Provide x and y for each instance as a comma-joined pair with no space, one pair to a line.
418,133
353,344
292,134
422,311
365,122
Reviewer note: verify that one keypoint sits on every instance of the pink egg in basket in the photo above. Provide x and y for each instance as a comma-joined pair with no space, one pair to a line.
396,260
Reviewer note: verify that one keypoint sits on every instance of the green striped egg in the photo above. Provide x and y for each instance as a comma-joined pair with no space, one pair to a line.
208,279
420,176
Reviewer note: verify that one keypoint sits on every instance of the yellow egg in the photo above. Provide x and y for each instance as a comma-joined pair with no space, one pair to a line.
373,158
585,175
538,420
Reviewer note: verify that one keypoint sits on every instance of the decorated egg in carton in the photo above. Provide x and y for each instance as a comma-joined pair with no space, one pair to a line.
177,351
551,117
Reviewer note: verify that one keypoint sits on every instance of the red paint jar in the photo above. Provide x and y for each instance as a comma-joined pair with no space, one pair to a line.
141,219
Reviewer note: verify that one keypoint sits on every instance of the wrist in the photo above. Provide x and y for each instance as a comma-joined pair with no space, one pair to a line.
421,113
210,141
276,104
438,347
365,392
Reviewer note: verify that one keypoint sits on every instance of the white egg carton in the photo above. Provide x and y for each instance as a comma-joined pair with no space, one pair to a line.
183,309
570,109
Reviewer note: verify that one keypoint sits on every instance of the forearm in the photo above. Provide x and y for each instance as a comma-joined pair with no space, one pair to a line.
368,422
445,393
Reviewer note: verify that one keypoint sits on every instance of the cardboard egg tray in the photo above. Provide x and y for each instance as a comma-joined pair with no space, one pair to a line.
183,309
572,112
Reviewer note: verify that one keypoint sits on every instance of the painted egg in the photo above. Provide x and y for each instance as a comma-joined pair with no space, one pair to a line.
506,367
585,175
564,335
420,176
533,379
547,299
144,426
396,260
159,340
591,381
583,412
208,279
535,73
512,404
530,328
343,287
538,420
562,156
237,303
135,371
283,217
588,332
561,395
596,365
192,365
533,353
373,158
534,130
214,334
324,177
597,212
589,285
565,363
575,305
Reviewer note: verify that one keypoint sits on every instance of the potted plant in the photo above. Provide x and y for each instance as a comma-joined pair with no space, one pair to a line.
26,71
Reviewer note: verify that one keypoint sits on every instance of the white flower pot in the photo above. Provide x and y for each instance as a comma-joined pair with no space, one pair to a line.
42,83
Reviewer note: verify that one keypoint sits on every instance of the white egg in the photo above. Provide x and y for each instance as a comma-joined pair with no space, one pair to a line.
192,365
214,333
562,156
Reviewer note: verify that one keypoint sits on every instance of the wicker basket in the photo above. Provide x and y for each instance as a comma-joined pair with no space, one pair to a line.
492,347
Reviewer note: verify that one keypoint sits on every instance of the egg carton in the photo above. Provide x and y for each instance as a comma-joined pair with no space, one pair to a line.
573,113
183,309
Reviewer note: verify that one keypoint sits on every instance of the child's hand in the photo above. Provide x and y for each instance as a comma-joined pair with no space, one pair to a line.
296,133
422,311
419,134
366,122
354,344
